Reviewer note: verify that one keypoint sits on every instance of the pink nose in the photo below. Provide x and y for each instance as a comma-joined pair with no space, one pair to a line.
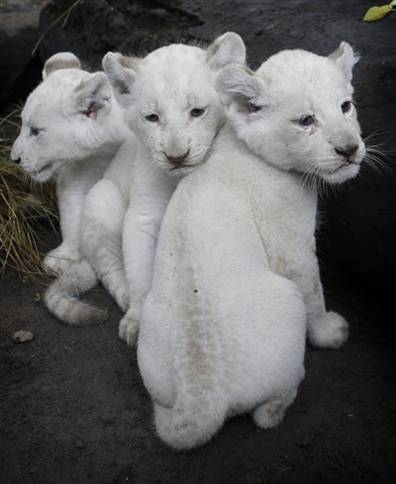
347,151
177,160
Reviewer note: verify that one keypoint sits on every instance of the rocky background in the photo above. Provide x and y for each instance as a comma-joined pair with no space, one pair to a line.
358,230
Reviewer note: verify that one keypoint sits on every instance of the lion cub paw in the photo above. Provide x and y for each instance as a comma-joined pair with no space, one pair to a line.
270,414
128,329
60,259
329,332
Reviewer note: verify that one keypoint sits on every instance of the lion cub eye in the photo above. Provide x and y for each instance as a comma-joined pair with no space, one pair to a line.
253,108
153,118
307,120
34,131
346,106
197,112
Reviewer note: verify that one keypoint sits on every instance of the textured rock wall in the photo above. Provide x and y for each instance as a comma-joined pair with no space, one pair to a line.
18,35
358,230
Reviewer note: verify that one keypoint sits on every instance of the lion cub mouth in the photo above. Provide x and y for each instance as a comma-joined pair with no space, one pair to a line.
343,166
43,168
184,165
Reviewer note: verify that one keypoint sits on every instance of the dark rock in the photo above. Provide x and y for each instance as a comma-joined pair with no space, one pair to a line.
358,230
94,27
18,35
159,13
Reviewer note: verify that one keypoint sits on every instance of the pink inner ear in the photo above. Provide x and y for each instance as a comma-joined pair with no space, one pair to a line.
91,111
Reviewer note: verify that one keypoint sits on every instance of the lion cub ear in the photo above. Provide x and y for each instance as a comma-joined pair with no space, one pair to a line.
62,60
345,58
92,95
121,72
238,85
226,49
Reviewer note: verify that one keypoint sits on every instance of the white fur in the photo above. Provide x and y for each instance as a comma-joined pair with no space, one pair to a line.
103,218
236,277
71,128
169,83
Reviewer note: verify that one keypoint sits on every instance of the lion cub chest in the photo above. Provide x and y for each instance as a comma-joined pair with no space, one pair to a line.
284,216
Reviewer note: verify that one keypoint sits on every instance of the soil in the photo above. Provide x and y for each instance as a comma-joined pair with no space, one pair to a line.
73,407
72,404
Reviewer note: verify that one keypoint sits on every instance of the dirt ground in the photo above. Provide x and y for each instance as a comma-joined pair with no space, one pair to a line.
72,405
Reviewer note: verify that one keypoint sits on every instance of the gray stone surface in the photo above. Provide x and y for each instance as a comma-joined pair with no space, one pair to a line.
18,35
358,230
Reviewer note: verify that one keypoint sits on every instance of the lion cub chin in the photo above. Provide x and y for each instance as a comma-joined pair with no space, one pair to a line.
72,127
236,282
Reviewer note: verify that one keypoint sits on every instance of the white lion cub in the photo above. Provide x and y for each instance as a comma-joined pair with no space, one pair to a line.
71,128
236,277
173,107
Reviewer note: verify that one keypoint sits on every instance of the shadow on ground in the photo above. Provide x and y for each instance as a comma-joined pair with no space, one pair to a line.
73,407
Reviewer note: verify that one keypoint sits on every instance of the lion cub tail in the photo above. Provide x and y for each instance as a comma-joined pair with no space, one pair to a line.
186,426
61,296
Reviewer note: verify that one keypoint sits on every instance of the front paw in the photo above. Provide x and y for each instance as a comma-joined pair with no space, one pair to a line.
60,259
129,329
122,298
328,332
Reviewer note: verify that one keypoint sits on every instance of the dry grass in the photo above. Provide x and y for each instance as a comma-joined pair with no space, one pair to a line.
25,207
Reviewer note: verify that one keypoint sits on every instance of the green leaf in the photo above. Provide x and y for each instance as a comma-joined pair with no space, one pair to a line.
377,13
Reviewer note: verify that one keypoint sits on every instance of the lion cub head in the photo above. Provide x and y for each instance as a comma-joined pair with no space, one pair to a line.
297,112
71,116
170,99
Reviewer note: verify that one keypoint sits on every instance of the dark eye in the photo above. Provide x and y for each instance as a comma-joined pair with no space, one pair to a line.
153,118
124,90
197,112
34,131
253,108
346,106
305,121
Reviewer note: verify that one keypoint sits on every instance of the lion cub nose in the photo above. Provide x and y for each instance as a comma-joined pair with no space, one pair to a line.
14,156
177,160
347,151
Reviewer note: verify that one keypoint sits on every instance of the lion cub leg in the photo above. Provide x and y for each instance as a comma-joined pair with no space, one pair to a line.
71,194
326,329
101,237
